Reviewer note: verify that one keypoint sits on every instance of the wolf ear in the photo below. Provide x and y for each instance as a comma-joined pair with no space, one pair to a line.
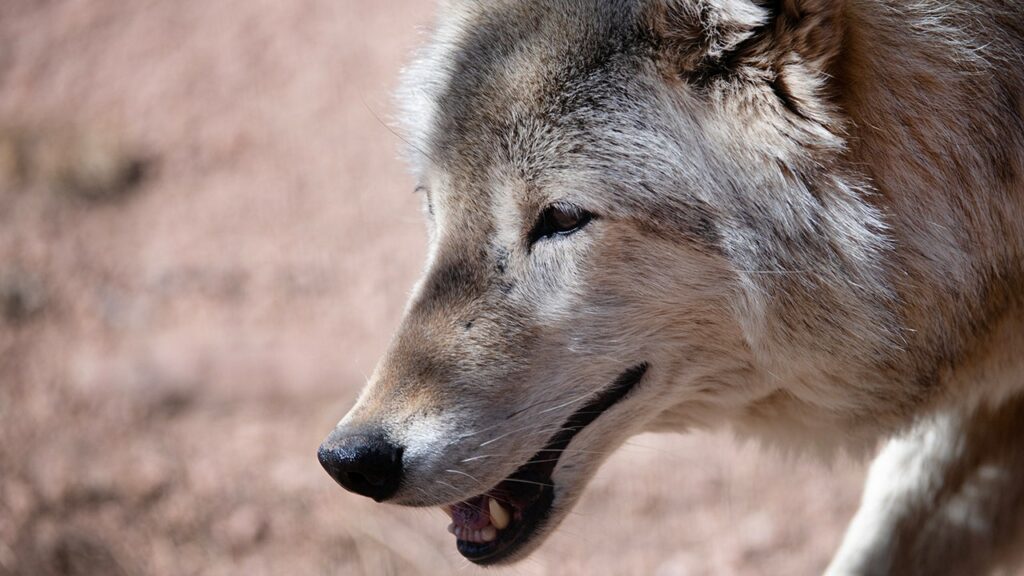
697,33
704,38
810,29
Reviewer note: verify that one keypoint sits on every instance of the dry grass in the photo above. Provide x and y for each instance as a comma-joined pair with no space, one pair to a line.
175,343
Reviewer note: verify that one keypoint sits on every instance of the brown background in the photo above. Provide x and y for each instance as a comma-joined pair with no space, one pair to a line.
206,238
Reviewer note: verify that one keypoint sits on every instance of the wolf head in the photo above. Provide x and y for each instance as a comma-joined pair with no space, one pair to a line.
639,218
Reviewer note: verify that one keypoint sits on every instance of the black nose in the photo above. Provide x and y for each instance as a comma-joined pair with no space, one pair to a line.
365,463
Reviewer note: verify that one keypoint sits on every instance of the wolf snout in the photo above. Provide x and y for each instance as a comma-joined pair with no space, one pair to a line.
364,462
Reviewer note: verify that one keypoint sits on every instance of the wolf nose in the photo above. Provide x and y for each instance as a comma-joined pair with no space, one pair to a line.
365,463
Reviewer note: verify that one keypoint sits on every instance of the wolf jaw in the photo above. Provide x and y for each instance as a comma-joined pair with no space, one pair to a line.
493,526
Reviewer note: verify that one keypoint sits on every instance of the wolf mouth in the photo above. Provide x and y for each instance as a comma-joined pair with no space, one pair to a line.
492,526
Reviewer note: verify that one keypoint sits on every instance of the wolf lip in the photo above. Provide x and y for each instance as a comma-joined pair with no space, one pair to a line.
527,495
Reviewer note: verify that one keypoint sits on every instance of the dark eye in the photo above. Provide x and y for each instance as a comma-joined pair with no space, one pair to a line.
559,220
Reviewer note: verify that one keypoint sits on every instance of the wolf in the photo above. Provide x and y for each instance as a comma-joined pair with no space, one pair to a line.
802,220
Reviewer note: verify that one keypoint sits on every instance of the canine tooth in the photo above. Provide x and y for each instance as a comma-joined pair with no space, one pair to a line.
488,534
458,532
499,516
451,528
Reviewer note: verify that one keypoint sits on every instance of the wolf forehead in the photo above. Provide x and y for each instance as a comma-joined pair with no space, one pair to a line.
521,74
549,92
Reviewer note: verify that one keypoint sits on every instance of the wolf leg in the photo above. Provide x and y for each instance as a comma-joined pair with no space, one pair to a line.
946,498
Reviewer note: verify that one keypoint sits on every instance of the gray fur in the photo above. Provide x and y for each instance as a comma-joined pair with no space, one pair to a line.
810,222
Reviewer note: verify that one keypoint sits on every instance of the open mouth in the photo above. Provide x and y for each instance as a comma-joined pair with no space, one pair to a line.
492,526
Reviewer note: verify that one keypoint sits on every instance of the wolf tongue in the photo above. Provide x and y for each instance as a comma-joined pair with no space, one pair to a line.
471,514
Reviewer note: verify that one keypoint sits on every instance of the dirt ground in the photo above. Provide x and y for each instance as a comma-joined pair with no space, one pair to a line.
206,238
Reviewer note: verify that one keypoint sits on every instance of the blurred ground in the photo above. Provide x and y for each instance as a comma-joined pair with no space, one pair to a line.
205,240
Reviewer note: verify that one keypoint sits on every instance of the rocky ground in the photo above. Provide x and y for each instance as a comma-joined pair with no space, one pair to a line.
206,238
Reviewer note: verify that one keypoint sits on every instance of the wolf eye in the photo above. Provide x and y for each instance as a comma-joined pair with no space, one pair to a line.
421,189
559,220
